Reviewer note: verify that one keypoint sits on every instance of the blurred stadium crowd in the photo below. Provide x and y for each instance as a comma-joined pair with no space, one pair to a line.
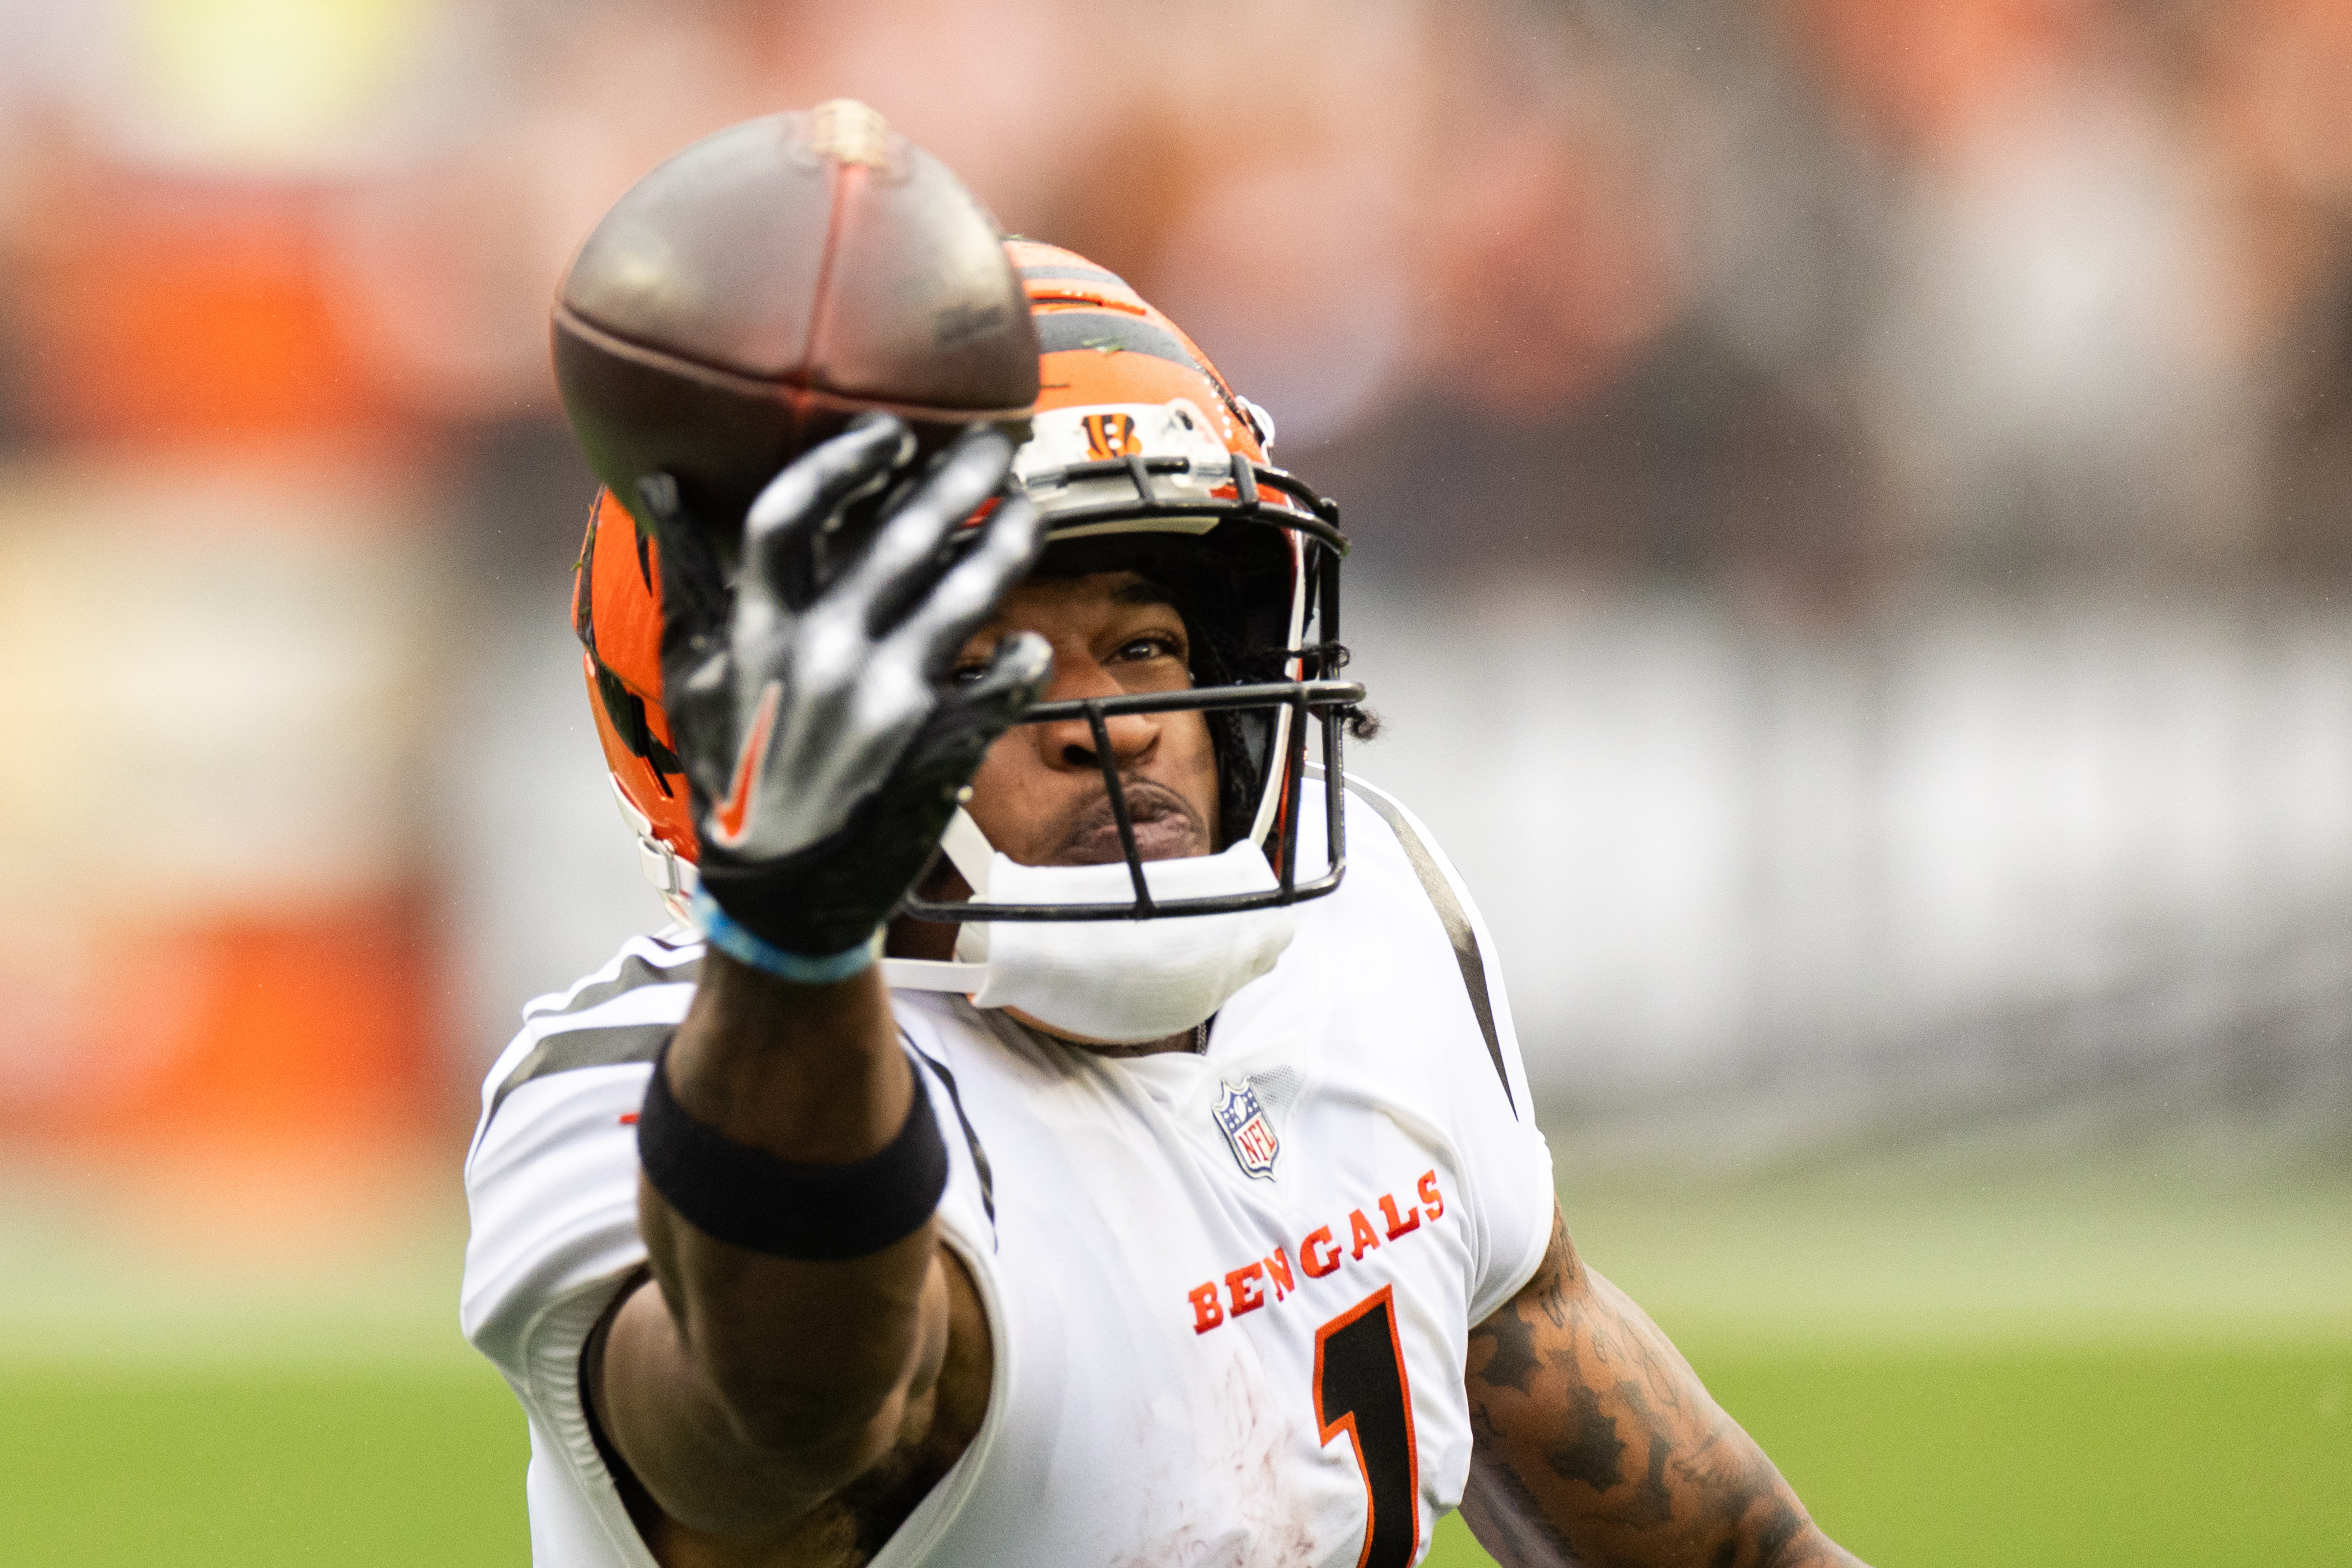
1853,506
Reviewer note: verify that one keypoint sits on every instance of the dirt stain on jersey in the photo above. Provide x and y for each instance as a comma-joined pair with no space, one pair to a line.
1243,1506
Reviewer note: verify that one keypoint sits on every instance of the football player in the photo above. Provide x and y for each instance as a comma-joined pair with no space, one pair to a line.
1079,1123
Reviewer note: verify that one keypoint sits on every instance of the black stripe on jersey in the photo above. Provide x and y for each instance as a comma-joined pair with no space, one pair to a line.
971,1139
634,971
1456,923
1109,331
570,1049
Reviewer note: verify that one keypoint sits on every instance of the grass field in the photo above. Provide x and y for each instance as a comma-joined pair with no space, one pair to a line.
2079,1366
2147,1455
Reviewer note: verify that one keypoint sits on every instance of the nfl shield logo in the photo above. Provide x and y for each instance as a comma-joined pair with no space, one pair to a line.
1246,1128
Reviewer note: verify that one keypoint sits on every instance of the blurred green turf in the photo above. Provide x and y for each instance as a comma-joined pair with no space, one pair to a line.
2090,1367
2147,1455
2143,1455
259,1466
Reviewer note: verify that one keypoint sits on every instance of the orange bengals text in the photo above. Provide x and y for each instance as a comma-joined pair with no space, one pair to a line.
1321,1252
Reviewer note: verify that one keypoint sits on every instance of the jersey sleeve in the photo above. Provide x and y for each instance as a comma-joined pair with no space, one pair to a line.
552,1190
551,1193
1481,1082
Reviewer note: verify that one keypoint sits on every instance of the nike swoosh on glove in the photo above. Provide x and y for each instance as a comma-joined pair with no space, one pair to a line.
823,739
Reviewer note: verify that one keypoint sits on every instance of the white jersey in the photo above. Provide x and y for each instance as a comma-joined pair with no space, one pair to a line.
1229,1294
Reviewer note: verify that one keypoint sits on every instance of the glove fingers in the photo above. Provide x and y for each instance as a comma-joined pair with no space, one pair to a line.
1011,541
905,558
781,527
693,589
1016,677
970,717
699,698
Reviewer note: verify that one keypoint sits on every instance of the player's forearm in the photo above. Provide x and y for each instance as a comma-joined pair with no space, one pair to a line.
800,1350
738,1456
808,1074
797,1375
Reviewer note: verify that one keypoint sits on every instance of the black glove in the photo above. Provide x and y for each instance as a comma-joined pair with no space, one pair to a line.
824,744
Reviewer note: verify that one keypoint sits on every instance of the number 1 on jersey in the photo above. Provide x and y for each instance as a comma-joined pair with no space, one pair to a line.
1361,1389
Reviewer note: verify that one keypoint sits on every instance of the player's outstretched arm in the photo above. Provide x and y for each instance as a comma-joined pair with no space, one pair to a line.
741,1388
1595,1446
802,1330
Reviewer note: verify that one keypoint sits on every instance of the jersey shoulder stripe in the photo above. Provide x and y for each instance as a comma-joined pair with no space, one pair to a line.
642,961
625,1012
575,1048
1450,914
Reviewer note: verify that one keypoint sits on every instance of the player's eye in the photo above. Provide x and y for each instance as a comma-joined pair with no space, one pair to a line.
1151,645
970,664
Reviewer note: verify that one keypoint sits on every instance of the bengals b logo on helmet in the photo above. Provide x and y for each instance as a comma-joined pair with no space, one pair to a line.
1111,435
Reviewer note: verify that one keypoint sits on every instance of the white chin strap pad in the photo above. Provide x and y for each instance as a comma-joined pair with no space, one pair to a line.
672,875
1129,981
967,849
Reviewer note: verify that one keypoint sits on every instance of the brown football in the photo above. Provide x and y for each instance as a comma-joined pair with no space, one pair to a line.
757,291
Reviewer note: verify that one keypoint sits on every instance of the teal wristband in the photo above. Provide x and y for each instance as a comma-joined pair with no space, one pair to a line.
739,943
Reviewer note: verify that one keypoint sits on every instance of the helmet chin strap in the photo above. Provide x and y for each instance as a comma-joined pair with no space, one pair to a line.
969,851
672,874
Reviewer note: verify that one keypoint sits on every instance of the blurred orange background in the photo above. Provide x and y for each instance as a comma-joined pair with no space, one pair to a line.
1815,319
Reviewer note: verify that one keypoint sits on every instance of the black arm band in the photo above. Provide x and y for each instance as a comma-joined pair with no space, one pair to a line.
751,1199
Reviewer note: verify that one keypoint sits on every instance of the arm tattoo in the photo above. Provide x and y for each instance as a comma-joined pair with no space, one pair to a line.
1596,1447
1588,1451
1514,1360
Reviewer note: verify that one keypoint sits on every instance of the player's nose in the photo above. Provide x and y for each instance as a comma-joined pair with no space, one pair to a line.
1072,742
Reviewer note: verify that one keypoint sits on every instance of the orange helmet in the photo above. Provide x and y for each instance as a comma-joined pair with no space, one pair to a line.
616,614
1140,456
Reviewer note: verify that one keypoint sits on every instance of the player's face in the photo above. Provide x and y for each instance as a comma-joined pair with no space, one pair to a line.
1039,794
